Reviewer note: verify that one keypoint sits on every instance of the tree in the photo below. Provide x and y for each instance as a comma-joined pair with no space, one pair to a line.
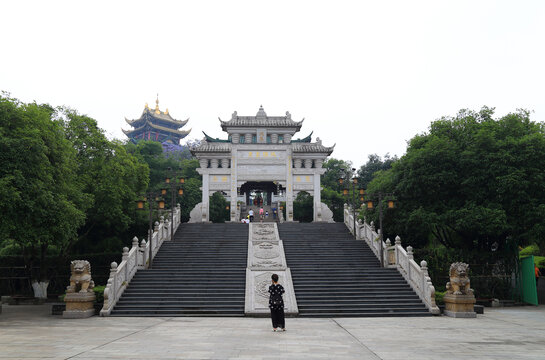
218,208
472,182
374,163
113,180
303,207
41,202
335,168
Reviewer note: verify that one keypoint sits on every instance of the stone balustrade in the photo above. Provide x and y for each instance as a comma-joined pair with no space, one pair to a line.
134,259
394,256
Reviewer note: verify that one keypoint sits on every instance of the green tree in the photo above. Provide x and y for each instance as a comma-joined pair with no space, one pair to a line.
42,204
218,208
472,182
111,177
335,168
303,207
374,163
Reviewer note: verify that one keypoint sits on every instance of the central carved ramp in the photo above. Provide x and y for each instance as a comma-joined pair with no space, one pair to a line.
200,273
335,275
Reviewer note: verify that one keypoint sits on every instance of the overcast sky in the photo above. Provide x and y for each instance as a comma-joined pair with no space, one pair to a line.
366,75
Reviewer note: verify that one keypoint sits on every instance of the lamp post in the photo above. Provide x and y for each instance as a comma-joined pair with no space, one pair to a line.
150,198
369,202
352,200
173,179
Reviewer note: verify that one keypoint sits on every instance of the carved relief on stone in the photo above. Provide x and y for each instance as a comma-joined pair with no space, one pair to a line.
261,290
266,250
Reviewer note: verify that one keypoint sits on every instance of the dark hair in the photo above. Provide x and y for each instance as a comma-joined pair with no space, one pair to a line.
274,277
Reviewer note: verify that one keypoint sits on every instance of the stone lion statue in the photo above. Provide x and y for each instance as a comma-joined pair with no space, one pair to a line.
459,281
81,280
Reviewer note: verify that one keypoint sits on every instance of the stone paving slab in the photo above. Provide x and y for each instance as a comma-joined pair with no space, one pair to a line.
29,332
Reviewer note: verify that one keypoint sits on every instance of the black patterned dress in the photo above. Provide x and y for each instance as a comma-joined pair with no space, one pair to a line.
277,310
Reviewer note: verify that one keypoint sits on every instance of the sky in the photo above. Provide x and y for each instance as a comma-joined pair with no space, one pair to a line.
366,75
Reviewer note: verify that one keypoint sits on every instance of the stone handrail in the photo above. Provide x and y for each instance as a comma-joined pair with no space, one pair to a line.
396,257
135,259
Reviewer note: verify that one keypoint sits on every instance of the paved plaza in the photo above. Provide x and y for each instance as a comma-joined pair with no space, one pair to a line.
29,332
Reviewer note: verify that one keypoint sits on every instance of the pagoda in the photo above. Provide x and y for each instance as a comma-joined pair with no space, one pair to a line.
156,125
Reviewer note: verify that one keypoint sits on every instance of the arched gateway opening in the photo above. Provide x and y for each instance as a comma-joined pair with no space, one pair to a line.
261,164
259,193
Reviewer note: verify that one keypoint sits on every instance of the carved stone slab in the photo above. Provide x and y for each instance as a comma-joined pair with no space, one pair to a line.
257,292
266,257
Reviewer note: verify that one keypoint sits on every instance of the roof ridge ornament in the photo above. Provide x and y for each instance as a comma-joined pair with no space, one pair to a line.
157,111
261,114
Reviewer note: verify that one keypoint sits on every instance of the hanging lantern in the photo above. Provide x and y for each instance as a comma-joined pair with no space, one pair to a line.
227,207
391,204
370,204
163,191
341,180
345,192
161,204
167,180
361,198
354,180
362,191
180,191
140,204
182,180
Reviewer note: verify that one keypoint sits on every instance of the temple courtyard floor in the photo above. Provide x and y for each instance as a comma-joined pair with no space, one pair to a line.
29,332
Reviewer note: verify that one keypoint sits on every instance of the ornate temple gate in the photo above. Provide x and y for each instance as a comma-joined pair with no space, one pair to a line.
260,150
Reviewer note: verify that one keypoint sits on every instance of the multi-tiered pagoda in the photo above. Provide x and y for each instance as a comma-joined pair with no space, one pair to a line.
156,125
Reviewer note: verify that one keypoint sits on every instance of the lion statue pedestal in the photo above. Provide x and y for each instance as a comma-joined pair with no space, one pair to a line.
80,297
459,299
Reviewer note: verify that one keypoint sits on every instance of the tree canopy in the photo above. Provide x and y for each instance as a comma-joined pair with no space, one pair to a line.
471,182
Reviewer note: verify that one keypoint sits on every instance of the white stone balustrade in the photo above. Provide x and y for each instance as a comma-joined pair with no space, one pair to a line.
134,259
396,257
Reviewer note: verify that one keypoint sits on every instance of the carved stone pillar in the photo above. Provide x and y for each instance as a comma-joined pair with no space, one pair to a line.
224,163
205,197
203,163
214,163
297,163
307,163
287,138
274,138
248,138
318,163
235,138
317,198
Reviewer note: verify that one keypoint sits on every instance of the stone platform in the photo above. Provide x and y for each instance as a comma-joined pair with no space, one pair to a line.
29,332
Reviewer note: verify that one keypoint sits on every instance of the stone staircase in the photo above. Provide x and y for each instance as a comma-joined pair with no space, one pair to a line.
335,275
200,273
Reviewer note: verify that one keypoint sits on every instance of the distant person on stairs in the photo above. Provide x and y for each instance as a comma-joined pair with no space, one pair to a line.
261,214
276,304
251,214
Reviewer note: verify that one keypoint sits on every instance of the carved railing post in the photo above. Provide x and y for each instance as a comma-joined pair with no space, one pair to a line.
142,259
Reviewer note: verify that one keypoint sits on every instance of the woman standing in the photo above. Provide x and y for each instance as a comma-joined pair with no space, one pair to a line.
276,304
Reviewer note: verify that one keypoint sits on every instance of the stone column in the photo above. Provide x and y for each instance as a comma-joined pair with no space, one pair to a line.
307,163
274,138
318,163
205,197
203,163
297,163
289,189
287,138
214,163
248,138
234,198
317,198
225,163
235,138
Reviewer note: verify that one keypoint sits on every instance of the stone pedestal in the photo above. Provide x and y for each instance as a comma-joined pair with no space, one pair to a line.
460,306
79,305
